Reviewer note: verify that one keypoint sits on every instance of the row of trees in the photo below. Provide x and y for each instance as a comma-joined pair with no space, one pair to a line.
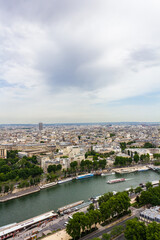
149,145
54,168
136,230
22,173
125,161
6,188
113,205
23,183
122,161
87,165
110,206
156,155
144,158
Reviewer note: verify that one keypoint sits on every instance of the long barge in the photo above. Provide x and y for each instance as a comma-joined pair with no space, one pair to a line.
62,209
65,180
14,229
117,180
85,176
47,185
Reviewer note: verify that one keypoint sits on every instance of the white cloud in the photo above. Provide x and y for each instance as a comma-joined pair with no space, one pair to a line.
71,58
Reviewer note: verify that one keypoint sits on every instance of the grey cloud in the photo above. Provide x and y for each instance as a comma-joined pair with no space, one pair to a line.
40,10
144,57
73,66
145,54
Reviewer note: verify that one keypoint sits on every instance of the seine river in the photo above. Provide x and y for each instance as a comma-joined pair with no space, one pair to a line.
52,198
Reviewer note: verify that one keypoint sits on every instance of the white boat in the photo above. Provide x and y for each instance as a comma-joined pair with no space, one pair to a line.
107,174
48,185
65,180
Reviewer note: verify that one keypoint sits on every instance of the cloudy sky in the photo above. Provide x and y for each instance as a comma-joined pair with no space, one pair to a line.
79,61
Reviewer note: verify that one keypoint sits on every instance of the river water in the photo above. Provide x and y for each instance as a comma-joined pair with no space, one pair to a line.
52,198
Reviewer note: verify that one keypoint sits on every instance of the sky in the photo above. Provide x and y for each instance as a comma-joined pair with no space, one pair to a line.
67,61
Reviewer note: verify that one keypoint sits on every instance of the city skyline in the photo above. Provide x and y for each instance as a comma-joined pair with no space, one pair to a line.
79,61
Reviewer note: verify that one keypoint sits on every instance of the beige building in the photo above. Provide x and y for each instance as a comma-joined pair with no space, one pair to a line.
3,153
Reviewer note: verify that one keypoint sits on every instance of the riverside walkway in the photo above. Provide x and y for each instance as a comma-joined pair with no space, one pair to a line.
19,194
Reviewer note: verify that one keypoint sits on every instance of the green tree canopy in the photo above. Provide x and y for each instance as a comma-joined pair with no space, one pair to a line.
135,230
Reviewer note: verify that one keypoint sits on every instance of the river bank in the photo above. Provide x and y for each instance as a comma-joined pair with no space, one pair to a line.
60,195
17,193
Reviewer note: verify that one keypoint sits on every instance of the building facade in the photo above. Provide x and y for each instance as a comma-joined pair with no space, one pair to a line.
40,126
3,153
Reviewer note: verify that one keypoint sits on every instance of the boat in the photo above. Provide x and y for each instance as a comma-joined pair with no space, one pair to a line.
142,185
48,185
69,206
117,180
65,180
107,174
85,176
142,170
95,199
14,229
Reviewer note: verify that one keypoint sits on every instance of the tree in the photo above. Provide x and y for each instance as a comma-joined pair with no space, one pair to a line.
153,231
73,164
122,161
59,167
138,190
95,215
95,238
73,228
102,163
106,236
31,181
145,157
5,169
52,168
148,185
33,159
112,134
11,187
91,207
136,157
6,188
123,146
117,230
135,230
145,198
150,196
76,224
105,198
115,205
95,158
149,145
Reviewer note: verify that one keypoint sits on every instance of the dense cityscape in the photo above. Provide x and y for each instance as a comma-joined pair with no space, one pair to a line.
38,157
79,120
